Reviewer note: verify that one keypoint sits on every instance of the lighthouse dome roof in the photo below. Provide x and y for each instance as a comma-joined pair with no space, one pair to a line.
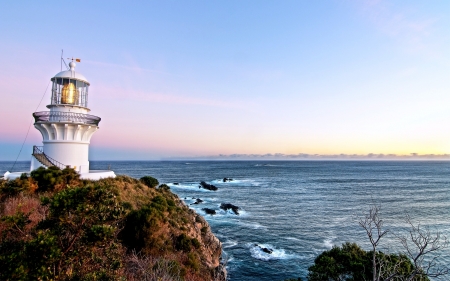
71,73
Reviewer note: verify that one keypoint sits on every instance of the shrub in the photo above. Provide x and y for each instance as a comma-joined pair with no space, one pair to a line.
76,241
11,188
164,187
352,263
54,178
193,262
149,181
183,243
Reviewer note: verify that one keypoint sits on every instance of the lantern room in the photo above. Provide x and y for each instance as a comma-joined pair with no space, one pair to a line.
70,88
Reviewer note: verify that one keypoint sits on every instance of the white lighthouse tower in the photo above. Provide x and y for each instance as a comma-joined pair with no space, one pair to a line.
67,128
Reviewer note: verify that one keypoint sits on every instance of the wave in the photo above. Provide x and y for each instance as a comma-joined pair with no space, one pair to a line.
253,225
257,252
190,186
229,244
292,238
328,242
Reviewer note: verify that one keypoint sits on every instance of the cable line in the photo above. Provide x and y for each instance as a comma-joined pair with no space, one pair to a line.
26,136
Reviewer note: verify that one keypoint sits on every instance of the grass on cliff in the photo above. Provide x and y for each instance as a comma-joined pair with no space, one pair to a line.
55,226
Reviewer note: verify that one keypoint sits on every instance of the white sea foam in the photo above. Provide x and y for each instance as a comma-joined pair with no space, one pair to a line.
229,212
230,259
253,225
292,238
256,251
235,182
190,186
229,244
328,242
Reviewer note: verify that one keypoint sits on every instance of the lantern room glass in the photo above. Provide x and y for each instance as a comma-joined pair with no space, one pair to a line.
69,91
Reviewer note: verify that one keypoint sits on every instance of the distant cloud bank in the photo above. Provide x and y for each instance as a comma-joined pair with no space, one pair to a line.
306,156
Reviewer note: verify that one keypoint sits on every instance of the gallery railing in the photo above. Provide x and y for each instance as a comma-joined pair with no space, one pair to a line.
59,116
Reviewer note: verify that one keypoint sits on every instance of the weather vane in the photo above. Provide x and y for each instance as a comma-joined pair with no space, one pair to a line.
77,60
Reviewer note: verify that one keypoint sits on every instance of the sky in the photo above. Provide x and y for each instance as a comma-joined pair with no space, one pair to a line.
235,79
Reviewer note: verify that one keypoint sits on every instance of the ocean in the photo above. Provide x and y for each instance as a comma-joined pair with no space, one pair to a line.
300,208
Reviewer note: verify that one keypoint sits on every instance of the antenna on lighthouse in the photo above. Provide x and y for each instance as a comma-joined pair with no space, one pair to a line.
62,60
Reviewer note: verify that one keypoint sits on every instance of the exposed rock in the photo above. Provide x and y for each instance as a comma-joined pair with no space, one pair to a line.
198,201
227,179
264,249
175,183
227,206
209,211
208,186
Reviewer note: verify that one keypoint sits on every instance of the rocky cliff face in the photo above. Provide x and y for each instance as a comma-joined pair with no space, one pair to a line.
172,230
210,246
111,229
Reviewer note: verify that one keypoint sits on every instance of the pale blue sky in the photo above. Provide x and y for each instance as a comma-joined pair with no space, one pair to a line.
203,78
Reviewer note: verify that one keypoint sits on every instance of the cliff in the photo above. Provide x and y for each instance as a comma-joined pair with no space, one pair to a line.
55,226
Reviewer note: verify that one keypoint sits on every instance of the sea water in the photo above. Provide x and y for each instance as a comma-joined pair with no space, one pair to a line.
299,209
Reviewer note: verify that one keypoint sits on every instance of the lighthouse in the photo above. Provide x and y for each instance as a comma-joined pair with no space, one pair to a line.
67,128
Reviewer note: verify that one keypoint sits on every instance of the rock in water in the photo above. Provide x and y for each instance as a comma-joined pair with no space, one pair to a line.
209,211
227,206
198,201
227,179
208,186
266,250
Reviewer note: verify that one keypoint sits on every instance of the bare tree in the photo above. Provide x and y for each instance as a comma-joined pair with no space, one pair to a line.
421,247
373,225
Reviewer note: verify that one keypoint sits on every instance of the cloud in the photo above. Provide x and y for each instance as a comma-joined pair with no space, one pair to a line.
138,95
411,31
306,156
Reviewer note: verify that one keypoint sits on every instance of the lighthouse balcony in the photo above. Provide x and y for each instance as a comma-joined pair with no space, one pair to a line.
65,117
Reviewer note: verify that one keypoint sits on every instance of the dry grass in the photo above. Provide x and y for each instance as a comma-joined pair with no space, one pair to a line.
26,204
147,268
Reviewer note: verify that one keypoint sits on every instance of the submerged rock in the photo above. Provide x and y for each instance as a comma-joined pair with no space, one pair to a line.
208,186
209,211
228,206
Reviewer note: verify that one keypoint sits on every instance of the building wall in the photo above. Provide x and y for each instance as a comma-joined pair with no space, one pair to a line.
73,154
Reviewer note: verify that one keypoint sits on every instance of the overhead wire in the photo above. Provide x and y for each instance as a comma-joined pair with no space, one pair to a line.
31,123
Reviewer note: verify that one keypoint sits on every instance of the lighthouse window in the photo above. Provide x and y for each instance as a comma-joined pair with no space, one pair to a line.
69,91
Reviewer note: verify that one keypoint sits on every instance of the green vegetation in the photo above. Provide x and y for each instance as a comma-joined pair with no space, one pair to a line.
54,226
417,262
149,181
352,263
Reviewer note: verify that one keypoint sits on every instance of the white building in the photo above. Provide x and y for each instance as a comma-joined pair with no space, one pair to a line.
67,128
